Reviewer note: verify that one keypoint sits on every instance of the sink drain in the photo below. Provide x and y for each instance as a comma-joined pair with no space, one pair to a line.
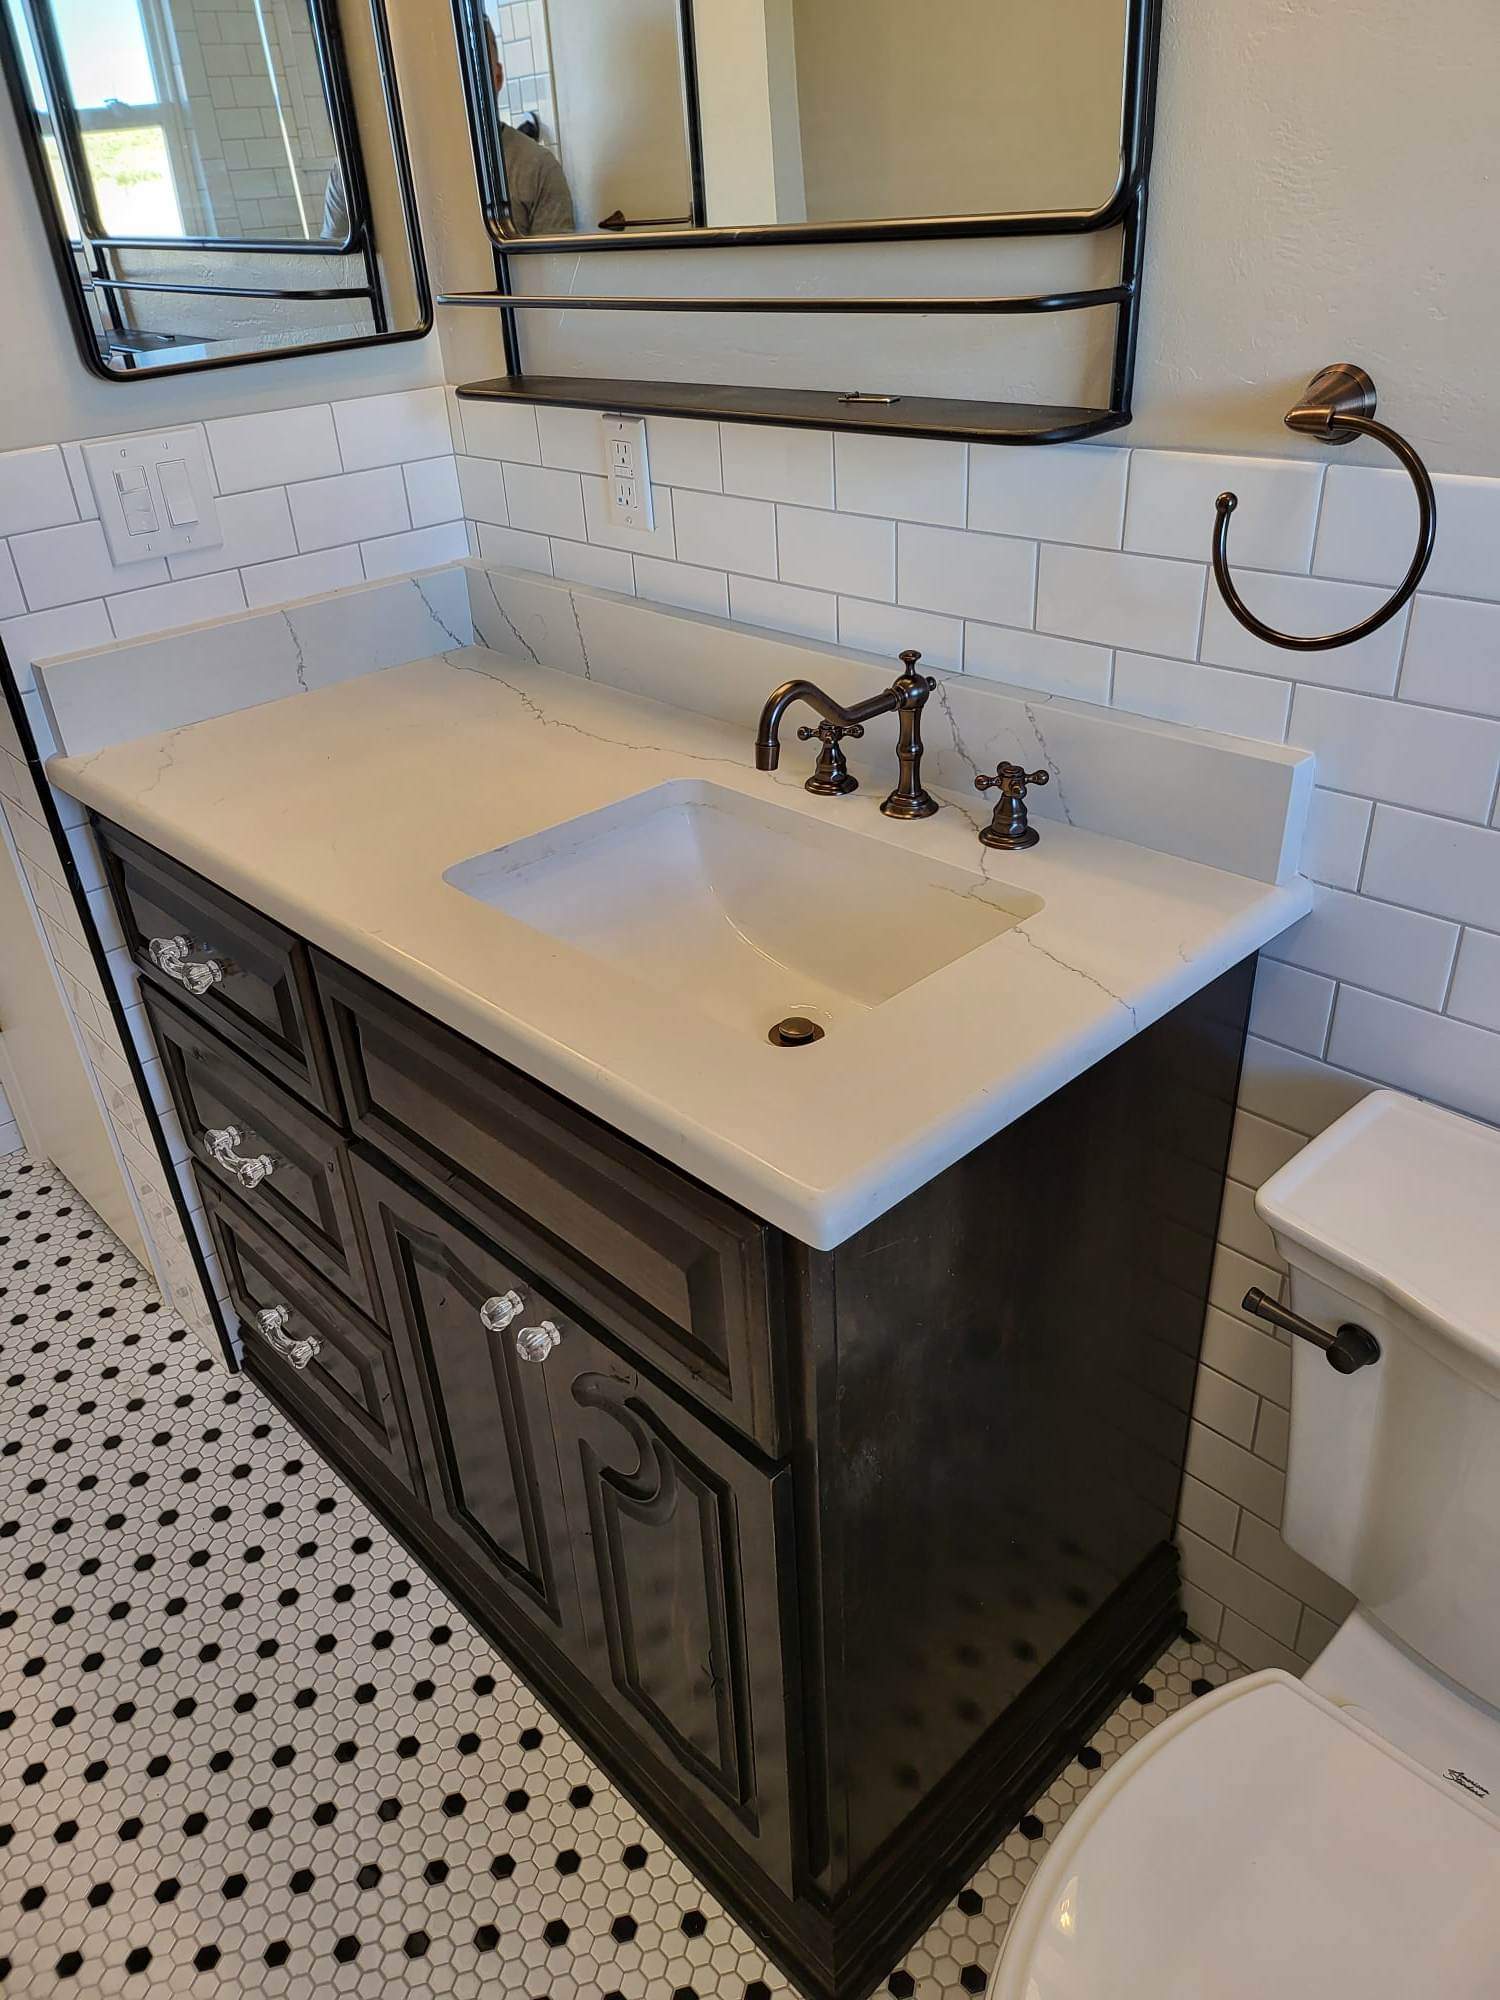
795,1032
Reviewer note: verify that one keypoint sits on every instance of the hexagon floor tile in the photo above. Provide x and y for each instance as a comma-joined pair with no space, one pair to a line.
247,1747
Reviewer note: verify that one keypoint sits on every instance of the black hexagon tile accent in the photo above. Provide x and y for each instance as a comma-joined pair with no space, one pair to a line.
247,1746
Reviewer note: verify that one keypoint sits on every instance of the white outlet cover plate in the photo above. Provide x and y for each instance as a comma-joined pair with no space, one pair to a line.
627,473
155,493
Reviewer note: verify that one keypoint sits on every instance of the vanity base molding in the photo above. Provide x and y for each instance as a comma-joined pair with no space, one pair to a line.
833,1559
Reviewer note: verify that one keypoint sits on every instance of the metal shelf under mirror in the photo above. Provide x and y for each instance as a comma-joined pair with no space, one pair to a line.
692,124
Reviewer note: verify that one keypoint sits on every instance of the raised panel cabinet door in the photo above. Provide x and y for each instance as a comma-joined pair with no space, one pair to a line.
457,1311
683,1553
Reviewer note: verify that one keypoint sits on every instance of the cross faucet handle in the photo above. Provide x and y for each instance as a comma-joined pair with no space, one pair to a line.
1011,780
831,777
1010,826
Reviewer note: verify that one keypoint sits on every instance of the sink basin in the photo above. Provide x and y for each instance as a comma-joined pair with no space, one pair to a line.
747,910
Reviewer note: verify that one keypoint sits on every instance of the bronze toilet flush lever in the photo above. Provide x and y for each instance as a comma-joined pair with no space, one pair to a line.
1011,826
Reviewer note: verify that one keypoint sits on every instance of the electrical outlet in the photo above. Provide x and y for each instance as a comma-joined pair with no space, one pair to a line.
628,474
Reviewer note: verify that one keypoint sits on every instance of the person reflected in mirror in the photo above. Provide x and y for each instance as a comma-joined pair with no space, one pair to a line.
541,202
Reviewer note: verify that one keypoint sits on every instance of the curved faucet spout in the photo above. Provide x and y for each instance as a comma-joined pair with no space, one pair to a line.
905,698
768,739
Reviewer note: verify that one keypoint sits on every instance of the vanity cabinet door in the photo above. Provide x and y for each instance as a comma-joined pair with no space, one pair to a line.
683,1550
457,1311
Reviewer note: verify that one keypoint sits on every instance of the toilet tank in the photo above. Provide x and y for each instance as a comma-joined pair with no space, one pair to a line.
1391,1219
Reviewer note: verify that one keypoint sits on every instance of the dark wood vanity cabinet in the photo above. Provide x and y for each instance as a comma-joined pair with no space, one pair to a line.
833,1559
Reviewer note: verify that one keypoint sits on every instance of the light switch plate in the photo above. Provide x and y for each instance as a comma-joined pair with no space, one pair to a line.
155,493
627,474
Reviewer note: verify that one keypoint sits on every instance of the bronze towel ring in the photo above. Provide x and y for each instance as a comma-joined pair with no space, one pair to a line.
1339,406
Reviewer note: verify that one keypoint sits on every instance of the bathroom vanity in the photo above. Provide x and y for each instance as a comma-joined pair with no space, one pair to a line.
812,1449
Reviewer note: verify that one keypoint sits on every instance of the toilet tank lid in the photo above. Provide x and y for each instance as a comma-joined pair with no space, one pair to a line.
1407,1197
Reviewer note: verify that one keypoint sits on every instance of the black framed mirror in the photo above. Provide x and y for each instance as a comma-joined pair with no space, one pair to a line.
224,180
669,123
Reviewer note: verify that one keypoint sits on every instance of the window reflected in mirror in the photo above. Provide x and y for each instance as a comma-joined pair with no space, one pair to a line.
227,178
596,118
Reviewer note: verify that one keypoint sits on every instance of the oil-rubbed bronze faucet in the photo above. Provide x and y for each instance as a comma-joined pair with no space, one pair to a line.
905,698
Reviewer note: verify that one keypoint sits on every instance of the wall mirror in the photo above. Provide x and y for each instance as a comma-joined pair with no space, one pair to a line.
224,180
663,121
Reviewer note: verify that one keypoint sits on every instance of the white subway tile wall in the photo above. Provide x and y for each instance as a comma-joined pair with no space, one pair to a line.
1082,571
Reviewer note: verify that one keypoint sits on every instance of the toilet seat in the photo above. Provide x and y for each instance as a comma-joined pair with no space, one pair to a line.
1263,1845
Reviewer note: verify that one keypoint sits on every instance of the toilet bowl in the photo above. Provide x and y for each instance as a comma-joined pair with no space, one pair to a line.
1334,1836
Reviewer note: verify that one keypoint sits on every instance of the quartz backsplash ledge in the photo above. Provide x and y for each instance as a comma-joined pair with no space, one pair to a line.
114,694
1229,802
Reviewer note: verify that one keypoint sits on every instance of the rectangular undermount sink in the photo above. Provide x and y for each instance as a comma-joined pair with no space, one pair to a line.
749,910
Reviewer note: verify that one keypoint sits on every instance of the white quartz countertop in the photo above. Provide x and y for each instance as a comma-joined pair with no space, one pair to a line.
338,813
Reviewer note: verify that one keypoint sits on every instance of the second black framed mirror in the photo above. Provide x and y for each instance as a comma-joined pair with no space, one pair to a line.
672,123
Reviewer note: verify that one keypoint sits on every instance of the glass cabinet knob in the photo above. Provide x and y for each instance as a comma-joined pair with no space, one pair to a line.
496,1314
535,1343
174,956
271,1323
223,1147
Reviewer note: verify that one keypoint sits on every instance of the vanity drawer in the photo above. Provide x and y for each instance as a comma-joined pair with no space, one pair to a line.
226,963
682,1276
345,1380
283,1161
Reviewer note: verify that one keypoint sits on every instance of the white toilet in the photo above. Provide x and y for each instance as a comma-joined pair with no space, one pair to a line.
1337,1837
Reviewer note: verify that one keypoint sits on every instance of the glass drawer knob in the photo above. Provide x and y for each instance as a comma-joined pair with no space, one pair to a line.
271,1323
223,1147
174,957
535,1343
496,1314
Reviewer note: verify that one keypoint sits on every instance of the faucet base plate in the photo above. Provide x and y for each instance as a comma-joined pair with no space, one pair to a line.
899,806
1009,841
832,788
